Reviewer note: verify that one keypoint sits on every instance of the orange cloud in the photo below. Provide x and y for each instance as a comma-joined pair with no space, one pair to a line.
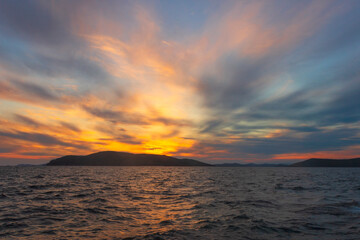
153,86
349,152
20,156
276,133
244,28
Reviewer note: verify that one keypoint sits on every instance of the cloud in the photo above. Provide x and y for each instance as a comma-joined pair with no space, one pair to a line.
27,120
260,149
348,152
172,122
70,126
33,21
46,44
7,149
116,134
123,139
117,116
28,92
35,90
253,92
245,80
41,138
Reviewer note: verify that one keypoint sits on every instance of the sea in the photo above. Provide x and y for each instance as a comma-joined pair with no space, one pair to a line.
56,202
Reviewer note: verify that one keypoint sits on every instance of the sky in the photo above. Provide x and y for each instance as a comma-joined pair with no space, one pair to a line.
218,81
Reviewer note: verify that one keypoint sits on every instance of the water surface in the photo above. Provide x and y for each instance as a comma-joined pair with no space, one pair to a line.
179,203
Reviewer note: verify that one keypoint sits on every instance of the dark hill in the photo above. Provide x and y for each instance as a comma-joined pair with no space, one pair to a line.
317,162
123,159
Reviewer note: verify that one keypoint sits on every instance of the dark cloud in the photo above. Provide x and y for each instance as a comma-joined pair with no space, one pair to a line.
343,108
172,122
313,142
31,122
171,134
239,129
35,90
44,42
341,34
71,65
7,149
212,125
27,120
340,107
117,134
70,126
304,129
332,100
323,92
41,138
260,149
300,112
28,92
45,139
123,139
117,116
238,82
30,19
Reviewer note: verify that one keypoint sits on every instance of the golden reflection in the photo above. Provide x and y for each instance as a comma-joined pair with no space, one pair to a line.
158,204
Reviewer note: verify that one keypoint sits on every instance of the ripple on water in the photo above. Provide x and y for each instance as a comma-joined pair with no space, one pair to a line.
178,203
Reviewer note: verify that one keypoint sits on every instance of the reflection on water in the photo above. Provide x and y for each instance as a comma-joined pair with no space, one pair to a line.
179,203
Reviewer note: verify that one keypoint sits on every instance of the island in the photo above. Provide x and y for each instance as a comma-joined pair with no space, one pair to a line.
319,162
112,158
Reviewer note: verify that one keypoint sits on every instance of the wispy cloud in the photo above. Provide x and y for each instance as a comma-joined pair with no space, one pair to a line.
236,81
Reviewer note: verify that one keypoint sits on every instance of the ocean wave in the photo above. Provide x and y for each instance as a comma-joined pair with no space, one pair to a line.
178,203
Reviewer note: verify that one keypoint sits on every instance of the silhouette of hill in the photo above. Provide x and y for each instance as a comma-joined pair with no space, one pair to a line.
110,158
318,162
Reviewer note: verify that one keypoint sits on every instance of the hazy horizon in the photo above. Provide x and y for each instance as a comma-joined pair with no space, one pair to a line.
42,162
216,81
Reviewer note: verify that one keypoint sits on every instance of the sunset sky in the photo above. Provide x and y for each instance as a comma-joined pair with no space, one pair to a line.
218,81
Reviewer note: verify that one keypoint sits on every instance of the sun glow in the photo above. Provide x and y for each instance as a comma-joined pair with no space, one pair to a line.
237,81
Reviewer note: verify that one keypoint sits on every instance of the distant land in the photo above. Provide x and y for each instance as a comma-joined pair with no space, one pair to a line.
318,162
250,165
25,165
111,158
